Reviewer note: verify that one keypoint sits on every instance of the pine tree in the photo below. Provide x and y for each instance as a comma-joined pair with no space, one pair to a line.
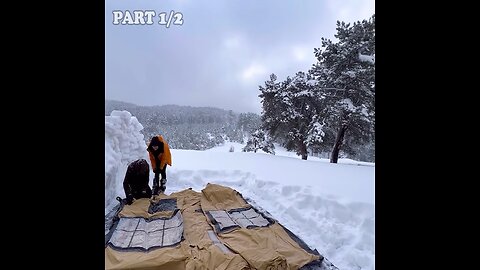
290,112
248,123
299,114
270,95
346,70
259,140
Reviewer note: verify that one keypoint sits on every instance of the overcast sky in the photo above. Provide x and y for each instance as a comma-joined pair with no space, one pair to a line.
223,51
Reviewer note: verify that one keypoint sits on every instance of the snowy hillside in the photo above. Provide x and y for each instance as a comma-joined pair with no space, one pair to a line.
330,206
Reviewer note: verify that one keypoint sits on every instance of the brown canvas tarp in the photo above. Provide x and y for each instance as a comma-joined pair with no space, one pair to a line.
202,246
262,247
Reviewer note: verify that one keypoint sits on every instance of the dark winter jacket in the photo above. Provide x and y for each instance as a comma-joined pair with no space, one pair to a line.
135,183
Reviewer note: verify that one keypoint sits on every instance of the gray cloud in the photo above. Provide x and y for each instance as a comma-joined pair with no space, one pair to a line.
221,53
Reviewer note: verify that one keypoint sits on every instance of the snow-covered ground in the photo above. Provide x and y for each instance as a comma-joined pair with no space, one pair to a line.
330,206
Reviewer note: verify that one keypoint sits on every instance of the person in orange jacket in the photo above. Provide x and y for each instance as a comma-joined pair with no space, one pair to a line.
160,156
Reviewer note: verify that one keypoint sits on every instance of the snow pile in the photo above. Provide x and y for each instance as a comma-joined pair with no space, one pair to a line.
123,144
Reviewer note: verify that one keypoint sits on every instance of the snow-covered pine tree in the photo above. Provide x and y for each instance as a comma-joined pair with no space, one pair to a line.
320,136
347,71
266,144
270,95
315,134
259,139
248,123
289,109
299,113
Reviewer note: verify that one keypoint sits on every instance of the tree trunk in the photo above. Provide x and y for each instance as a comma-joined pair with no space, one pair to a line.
303,151
338,144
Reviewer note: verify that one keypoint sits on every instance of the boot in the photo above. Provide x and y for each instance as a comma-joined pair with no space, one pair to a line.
156,188
163,183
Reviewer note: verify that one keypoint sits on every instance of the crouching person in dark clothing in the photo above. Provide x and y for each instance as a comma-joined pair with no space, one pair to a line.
136,180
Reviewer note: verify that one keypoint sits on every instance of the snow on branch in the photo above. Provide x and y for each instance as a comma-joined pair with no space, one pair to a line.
367,58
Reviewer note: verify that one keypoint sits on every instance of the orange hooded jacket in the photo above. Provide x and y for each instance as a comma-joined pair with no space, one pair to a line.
166,157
